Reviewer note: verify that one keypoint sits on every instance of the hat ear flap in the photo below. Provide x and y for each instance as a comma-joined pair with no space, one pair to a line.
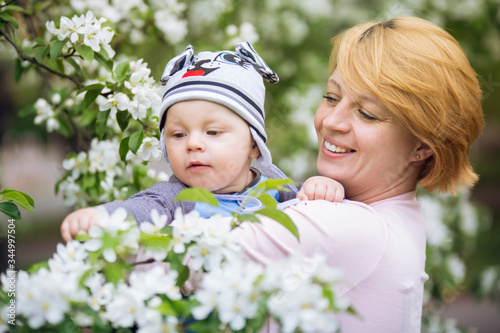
177,63
246,51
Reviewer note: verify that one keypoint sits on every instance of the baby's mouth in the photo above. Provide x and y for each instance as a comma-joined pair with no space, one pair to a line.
334,149
197,164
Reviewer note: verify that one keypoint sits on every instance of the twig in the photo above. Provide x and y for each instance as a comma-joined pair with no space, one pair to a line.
35,62
148,261
8,3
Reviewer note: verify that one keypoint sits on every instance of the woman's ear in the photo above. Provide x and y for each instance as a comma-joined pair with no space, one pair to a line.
421,153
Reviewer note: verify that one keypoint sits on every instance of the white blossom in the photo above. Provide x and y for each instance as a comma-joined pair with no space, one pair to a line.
153,321
155,281
159,221
437,233
150,150
41,297
186,228
72,193
45,113
114,103
107,225
126,307
101,292
103,155
173,28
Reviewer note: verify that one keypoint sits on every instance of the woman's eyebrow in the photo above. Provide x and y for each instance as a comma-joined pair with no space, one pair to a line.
335,83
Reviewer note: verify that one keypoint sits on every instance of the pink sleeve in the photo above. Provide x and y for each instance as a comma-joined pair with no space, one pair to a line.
349,234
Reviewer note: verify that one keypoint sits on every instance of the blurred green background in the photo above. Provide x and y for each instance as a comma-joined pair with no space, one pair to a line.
294,38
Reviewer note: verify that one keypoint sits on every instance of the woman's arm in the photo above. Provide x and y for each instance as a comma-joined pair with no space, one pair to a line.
351,235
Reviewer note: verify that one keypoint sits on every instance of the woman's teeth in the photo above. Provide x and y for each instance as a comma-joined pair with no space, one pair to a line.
333,148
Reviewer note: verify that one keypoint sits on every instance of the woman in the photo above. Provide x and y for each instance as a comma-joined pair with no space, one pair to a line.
402,106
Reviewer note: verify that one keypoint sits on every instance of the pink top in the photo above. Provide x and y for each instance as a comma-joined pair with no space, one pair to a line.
380,247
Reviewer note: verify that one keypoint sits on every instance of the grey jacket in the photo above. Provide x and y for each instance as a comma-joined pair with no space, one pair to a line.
161,196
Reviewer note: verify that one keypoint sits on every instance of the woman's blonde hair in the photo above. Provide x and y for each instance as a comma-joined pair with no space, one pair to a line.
420,73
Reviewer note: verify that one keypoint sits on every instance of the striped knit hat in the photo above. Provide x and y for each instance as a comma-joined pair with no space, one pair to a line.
232,79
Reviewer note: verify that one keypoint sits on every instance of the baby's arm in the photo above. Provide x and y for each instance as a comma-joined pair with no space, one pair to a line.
79,220
321,188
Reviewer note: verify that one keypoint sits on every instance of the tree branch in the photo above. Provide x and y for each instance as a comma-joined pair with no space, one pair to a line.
8,3
36,63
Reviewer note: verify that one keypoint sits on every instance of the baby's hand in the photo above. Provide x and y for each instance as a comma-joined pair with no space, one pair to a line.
79,220
321,188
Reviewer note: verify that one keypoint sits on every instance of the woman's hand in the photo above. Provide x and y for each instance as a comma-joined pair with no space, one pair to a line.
321,188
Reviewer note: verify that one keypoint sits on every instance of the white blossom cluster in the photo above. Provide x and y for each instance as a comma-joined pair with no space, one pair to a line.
229,285
294,288
45,113
84,29
128,16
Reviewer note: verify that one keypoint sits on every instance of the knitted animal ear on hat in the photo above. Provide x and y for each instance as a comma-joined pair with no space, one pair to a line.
233,79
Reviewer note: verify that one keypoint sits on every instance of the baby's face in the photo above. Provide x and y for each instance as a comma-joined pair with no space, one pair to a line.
209,146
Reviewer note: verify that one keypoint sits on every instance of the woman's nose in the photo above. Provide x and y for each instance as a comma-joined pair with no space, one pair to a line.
338,117
195,142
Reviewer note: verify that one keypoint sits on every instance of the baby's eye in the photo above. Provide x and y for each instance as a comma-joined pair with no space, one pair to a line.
178,135
213,132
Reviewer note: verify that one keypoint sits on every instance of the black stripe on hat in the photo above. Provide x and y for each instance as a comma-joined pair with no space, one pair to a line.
222,85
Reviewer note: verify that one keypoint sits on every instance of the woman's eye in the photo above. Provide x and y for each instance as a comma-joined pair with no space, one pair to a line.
178,135
367,116
331,99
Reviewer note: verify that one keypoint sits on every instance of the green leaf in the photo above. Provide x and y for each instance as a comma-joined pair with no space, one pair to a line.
275,184
101,123
108,64
123,119
167,309
37,266
123,150
65,128
27,111
247,217
90,97
121,70
82,237
155,241
28,198
18,70
10,209
89,180
197,194
88,117
56,49
103,53
41,52
135,141
8,17
85,51
115,272
73,63
15,8
18,198
268,200
281,218
95,86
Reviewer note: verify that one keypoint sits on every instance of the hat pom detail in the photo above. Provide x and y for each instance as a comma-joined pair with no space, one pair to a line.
179,62
247,52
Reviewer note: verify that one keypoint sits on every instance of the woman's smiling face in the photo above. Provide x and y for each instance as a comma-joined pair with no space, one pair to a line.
363,146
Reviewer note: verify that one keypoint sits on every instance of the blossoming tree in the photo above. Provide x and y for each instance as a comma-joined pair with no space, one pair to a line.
96,89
